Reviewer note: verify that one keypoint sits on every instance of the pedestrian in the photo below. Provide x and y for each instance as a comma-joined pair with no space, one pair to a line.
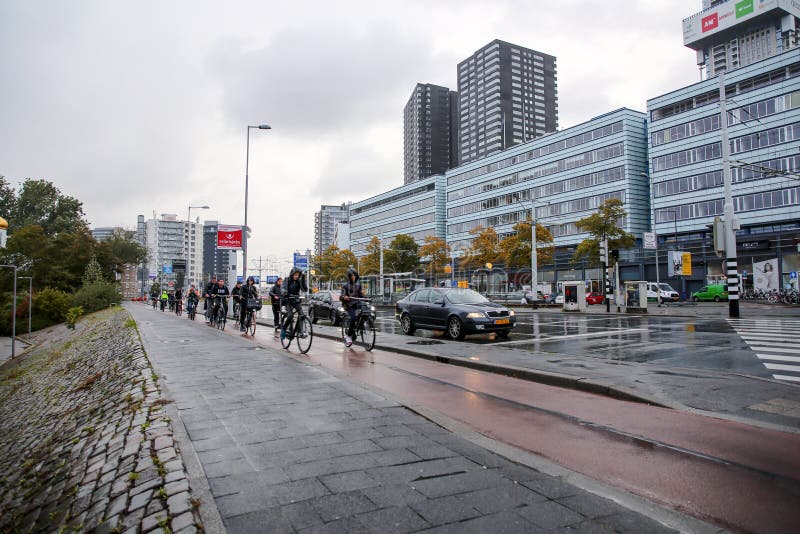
275,300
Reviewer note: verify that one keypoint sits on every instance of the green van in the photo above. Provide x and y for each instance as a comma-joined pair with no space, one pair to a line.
715,292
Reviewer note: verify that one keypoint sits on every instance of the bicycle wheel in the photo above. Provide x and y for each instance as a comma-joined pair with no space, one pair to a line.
286,341
305,335
251,323
366,334
221,319
344,323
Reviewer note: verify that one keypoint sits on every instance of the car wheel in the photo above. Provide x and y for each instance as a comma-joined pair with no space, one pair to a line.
312,316
406,325
455,328
696,299
503,334
716,299
333,319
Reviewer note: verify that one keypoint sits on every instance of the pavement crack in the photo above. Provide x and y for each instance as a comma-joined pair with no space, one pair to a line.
438,476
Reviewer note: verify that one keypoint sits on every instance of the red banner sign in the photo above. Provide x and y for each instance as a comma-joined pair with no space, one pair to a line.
710,22
229,237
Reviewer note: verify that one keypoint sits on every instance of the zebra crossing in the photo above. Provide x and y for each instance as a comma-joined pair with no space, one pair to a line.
776,343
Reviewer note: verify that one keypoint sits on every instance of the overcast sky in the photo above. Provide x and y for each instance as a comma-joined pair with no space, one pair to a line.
142,107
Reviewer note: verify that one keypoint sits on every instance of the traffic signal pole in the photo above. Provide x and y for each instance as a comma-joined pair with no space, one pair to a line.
731,264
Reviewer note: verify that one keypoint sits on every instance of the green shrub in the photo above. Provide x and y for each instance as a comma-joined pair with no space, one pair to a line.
73,314
50,306
96,296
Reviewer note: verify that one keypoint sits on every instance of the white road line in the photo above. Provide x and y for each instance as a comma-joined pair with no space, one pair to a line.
773,349
779,367
787,377
770,338
555,338
779,358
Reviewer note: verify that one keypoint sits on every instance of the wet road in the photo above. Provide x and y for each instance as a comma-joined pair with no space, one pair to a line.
701,343
737,476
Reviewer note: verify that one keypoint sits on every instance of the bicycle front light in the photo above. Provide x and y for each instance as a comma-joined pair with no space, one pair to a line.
372,308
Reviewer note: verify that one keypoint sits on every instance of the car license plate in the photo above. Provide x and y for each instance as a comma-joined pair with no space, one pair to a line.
502,321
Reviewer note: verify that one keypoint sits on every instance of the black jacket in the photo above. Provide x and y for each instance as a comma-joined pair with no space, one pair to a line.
209,288
291,287
351,289
236,291
249,292
220,291
275,294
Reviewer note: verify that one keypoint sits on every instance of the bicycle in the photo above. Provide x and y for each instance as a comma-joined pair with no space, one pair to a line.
365,324
236,311
191,309
218,317
253,305
303,328
178,308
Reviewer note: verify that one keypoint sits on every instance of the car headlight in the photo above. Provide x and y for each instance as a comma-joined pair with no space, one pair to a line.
340,309
511,313
475,315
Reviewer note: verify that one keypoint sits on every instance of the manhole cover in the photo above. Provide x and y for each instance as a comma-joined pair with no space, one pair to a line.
426,342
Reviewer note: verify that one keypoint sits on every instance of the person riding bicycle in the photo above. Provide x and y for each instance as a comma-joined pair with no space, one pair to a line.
221,292
250,291
275,299
290,294
351,289
207,293
192,298
236,292
178,300
164,298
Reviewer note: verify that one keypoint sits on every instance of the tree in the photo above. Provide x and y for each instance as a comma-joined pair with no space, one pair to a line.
371,262
323,263
93,272
604,224
343,261
438,252
484,247
40,202
515,250
8,199
402,255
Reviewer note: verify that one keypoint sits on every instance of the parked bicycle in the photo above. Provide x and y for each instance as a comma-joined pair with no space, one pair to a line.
364,332
300,329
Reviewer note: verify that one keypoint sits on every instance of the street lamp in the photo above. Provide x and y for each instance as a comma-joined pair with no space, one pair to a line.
13,312
653,215
30,299
246,190
189,228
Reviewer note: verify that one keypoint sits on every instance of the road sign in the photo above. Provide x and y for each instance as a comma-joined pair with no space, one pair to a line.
300,261
167,269
271,279
256,279
650,240
793,275
152,276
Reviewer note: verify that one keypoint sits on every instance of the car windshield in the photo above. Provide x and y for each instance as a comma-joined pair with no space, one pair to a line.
465,296
666,287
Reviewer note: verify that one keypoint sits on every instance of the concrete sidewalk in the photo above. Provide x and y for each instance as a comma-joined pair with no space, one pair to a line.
287,447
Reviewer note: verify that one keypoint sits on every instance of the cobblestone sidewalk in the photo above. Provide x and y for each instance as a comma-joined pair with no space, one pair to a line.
85,443
287,447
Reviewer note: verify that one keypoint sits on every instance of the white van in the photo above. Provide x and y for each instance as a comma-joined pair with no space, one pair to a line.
663,290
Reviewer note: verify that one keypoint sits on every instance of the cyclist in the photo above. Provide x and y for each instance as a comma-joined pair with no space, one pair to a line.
221,292
351,289
164,299
291,296
207,293
275,299
192,298
250,291
178,301
237,301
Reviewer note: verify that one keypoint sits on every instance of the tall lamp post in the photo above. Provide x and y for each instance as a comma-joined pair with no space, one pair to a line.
189,227
13,312
246,190
30,298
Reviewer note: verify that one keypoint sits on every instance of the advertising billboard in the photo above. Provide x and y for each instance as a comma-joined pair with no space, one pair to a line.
765,275
679,263
229,237
728,14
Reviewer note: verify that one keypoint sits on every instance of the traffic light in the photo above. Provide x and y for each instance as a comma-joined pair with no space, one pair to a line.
615,254
718,233
604,251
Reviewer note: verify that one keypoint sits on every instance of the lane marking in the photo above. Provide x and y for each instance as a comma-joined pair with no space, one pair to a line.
787,377
779,358
779,367
771,339
555,338
772,349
